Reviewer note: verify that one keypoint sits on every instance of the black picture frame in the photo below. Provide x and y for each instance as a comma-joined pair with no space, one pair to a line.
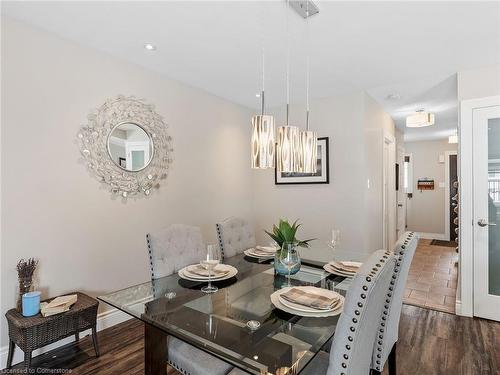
302,178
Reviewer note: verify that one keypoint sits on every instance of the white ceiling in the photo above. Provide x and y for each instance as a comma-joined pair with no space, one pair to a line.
433,95
409,48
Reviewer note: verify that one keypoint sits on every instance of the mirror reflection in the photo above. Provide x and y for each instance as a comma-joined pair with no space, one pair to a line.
130,147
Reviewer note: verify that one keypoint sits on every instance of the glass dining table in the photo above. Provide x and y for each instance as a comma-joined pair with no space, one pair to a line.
216,323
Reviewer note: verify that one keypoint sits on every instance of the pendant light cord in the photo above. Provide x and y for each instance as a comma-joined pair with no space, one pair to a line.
287,64
307,66
263,80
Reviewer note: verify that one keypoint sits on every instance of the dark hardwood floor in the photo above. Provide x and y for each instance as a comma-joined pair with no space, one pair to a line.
430,342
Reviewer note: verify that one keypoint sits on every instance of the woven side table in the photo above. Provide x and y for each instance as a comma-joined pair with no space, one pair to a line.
30,333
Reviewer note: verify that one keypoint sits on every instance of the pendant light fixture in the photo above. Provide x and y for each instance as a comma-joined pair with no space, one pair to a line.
288,146
308,139
263,139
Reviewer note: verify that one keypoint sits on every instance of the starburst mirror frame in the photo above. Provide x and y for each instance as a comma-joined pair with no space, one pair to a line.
93,141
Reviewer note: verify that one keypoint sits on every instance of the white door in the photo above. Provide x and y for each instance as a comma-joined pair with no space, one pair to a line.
486,211
400,194
137,155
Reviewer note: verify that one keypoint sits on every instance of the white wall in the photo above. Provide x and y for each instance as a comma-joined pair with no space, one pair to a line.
426,209
354,123
479,83
53,210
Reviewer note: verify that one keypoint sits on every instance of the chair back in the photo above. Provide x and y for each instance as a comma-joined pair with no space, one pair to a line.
393,301
173,248
352,345
235,235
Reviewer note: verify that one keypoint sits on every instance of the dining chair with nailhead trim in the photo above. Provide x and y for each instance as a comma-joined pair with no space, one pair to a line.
384,350
352,345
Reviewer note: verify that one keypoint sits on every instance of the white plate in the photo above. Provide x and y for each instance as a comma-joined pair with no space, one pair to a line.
330,269
311,289
316,314
221,267
232,272
248,252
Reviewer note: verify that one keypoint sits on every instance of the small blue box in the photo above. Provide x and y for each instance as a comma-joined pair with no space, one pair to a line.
31,303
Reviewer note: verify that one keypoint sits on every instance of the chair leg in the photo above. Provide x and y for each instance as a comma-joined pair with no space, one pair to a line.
392,360
27,359
94,341
77,336
10,356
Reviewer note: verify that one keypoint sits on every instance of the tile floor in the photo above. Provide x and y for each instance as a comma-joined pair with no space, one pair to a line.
432,281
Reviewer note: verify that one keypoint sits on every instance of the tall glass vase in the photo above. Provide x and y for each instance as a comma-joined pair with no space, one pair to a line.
279,268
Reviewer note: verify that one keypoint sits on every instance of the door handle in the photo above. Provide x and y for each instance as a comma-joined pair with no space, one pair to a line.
484,223
400,204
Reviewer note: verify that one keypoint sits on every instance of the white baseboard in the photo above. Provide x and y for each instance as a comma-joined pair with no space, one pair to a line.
432,236
105,320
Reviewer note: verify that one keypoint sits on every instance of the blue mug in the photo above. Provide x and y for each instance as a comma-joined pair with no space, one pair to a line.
31,303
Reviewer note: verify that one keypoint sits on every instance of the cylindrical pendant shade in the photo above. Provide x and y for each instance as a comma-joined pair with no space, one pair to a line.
263,142
308,152
287,149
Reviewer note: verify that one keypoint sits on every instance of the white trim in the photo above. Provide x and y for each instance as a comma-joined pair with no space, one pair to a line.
105,320
431,236
458,307
447,192
466,190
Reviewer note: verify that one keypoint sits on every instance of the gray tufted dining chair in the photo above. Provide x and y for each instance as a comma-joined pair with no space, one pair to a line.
235,235
171,249
385,344
352,345
174,247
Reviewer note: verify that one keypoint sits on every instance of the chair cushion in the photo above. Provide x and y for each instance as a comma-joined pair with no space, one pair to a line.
235,236
192,361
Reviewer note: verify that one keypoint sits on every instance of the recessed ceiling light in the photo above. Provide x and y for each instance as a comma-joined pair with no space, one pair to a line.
150,47
393,96
257,95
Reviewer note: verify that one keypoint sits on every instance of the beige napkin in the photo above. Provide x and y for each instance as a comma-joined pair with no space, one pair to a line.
266,249
198,269
261,253
313,300
346,266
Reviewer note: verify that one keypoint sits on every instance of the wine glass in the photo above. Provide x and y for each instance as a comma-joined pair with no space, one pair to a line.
334,242
209,263
289,257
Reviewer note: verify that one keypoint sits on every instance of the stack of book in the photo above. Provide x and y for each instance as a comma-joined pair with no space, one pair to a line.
58,305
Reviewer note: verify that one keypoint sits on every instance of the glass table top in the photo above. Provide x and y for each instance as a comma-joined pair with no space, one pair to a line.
217,322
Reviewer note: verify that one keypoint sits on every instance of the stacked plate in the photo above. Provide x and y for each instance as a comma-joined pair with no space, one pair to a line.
308,301
343,268
196,272
261,252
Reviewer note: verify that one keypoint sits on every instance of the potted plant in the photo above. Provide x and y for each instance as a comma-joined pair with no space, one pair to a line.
284,234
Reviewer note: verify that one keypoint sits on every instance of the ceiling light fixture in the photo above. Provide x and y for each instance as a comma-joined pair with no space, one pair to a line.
308,139
287,149
420,119
150,47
